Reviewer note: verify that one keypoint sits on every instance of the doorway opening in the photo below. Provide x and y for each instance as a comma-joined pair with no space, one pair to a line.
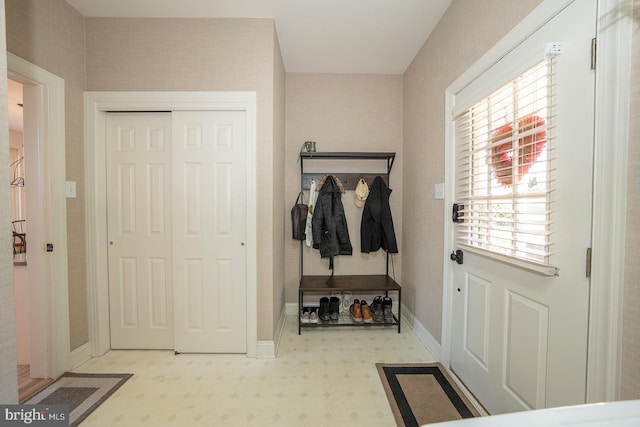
28,382
41,170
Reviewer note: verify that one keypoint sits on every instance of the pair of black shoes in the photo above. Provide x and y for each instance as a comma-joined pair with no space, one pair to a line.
381,309
329,308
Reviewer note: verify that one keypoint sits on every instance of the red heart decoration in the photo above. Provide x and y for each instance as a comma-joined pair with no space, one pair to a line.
527,149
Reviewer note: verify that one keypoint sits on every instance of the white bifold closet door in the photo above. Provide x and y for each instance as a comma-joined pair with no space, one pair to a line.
176,215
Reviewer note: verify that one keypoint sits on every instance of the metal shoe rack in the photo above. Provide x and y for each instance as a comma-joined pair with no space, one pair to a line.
364,284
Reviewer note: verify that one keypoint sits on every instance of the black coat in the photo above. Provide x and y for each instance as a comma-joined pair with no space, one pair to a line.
376,228
329,224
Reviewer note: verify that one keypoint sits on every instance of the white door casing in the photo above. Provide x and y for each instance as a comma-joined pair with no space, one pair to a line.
44,108
519,339
209,188
97,104
139,207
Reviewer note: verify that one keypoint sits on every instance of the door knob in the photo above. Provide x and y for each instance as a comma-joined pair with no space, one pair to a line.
457,256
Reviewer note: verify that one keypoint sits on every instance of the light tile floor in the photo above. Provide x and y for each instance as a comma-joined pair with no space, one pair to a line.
322,377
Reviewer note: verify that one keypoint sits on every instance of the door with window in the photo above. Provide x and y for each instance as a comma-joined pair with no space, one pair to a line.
524,140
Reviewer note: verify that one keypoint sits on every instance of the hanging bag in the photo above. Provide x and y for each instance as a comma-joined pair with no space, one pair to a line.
299,218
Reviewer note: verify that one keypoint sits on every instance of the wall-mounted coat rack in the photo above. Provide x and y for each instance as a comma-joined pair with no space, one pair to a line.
349,180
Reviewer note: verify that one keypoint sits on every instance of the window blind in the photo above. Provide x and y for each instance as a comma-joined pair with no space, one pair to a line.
505,171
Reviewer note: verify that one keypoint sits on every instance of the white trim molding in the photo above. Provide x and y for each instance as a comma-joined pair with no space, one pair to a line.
610,179
424,336
80,355
280,330
97,104
291,309
52,331
269,349
613,86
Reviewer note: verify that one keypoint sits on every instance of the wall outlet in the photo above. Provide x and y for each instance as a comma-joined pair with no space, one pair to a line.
70,189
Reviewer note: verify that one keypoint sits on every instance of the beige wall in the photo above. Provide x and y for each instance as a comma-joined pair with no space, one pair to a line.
279,94
8,371
50,34
342,112
465,32
630,387
201,55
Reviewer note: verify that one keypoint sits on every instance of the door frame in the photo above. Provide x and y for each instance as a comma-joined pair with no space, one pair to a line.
609,185
97,104
49,297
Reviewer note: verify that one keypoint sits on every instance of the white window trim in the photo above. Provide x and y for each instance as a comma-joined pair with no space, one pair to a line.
610,178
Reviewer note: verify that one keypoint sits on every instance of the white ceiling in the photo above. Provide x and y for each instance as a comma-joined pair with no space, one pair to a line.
320,36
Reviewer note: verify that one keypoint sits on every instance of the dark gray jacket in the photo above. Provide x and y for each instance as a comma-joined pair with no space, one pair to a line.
329,224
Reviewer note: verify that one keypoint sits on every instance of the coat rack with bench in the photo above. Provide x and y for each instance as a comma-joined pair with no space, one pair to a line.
367,283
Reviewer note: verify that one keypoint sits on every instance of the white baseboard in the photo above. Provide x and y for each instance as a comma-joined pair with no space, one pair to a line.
424,336
269,349
265,350
80,355
277,337
291,308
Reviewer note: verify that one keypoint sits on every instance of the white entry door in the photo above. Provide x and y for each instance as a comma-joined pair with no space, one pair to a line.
521,295
139,230
209,226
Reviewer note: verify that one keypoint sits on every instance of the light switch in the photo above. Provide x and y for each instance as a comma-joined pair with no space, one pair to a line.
439,191
70,189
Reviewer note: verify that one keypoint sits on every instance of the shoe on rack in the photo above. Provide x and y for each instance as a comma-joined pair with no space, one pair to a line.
313,316
377,310
304,315
336,294
323,311
388,314
346,302
334,308
355,311
366,311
